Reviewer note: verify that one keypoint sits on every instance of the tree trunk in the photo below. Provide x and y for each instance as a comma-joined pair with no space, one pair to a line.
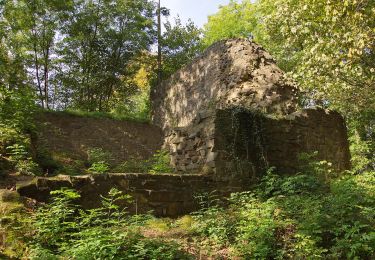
159,43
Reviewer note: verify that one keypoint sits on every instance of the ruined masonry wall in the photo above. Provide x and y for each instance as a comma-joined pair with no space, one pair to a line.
164,195
197,109
229,73
248,143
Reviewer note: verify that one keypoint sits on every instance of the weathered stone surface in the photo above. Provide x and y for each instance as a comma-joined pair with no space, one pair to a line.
237,101
75,135
229,73
165,195
248,143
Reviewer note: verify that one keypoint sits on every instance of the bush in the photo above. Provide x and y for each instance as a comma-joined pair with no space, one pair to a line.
158,163
133,165
22,163
305,216
96,155
28,167
99,168
66,230
17,108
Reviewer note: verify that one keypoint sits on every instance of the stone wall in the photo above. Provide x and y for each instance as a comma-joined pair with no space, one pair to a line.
229,73
247,143
64,134
165,195
232,114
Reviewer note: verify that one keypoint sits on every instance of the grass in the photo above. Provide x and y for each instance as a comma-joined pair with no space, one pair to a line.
96,114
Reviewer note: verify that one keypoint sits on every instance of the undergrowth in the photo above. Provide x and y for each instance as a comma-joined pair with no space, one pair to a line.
64,230
304,216
158,163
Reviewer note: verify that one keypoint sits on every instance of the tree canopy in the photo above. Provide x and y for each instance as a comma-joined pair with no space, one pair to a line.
80,54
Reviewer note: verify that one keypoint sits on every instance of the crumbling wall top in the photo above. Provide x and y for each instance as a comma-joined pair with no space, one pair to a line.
235,72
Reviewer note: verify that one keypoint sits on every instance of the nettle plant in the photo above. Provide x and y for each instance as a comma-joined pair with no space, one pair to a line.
99,160
158,163
23,163
65,230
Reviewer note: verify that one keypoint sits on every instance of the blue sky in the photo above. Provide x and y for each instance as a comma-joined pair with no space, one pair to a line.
197,10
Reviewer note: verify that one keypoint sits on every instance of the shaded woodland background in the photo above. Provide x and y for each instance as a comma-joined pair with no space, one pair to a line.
98,58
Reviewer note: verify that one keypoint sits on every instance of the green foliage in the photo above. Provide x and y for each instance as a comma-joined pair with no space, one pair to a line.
55,220
302,183
23,164
96,77
99,159
133,165
215,224
96,155
232,21
256,226
158,163
45,37
326,45
180,44
304,216
126,115
16,116
28,167
99,168
17,108
17,152
361,153
66,230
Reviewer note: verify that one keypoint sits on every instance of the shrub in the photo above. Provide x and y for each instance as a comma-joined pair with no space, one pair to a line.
28,167
212,221
17,108
158,163
23,164
99,168
133,165
96,155
310,215
66,230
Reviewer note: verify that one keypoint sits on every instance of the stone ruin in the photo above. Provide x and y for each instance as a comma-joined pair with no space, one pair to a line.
226,118
232,113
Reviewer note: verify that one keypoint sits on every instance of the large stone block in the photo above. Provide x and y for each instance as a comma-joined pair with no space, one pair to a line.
229,73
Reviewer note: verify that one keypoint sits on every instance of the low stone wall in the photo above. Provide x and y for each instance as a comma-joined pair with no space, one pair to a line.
165,195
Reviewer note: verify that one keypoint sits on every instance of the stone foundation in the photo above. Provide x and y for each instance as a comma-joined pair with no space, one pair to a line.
165,195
